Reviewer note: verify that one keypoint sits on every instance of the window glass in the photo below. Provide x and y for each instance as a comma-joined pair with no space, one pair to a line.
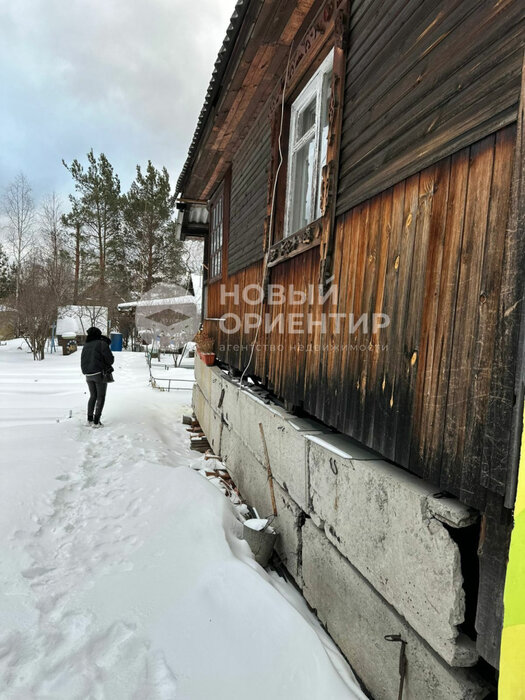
216,233
301,213
306,119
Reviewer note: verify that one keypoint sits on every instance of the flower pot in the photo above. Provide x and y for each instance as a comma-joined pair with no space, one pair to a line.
207,357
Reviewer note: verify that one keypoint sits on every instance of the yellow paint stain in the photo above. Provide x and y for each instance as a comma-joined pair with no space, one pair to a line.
396,263
512,667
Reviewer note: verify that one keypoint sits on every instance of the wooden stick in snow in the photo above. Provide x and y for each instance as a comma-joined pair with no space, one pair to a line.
268,469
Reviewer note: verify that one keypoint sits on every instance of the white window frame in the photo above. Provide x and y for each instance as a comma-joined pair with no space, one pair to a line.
314,87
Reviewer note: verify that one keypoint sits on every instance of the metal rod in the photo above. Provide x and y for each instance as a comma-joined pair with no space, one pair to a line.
402,661
268,469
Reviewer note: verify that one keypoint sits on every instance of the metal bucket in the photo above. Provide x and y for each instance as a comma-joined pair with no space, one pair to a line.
261,541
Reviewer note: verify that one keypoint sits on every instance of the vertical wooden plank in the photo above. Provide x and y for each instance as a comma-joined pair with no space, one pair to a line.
455,214
351,413
412,362
347,241
313,360
395,375
383,411
365,306
373,356
421,462
466,318
331,363
487,308
503,434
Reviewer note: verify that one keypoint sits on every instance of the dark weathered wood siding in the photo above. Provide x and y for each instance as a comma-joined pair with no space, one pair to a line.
424,79
429,230
428,252
249,187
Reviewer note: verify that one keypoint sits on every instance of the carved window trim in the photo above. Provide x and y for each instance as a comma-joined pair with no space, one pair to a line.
295,244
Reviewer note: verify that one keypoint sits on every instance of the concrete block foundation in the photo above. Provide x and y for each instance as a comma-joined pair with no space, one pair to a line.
368,543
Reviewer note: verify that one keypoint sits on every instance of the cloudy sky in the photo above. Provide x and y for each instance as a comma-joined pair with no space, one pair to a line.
126,77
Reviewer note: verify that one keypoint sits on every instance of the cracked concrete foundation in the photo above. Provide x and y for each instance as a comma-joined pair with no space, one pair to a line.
367,542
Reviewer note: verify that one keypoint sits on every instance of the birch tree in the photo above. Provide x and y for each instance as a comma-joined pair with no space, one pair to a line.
19,209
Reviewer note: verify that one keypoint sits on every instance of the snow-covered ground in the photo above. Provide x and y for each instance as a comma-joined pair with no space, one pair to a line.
121,572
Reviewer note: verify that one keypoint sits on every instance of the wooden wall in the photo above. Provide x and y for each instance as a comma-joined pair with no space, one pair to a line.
423,80
429,253
248,197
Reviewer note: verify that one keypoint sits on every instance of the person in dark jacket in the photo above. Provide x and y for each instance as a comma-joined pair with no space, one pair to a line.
109,368
95,361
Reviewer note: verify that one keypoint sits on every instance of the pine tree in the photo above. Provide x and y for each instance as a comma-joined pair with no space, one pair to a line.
7,275
73,224
148,209
97,204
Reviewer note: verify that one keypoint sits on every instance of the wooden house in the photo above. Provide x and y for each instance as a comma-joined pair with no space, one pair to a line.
361,163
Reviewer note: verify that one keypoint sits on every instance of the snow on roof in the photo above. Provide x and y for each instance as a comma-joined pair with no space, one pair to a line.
169,301
77,319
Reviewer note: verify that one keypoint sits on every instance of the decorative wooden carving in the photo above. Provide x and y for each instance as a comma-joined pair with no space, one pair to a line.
327,186
331,170
341,30
314,37
333,107
266,229
295,244
330,20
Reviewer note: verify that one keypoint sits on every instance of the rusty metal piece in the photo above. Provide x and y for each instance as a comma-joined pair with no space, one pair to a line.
402,661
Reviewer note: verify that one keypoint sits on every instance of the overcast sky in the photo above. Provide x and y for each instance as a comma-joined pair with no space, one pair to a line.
126,77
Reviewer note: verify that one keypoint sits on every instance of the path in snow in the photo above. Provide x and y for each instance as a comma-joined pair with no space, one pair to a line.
122,576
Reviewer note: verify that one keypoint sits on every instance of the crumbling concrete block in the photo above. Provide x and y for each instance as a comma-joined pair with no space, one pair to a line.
378,517
358,619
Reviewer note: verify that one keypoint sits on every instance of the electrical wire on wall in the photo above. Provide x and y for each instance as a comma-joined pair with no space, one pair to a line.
270,226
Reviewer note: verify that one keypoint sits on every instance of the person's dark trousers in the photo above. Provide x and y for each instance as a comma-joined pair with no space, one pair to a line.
97,396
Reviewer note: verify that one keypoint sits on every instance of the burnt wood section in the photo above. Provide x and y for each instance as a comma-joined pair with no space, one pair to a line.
248,197
424,79
503,435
